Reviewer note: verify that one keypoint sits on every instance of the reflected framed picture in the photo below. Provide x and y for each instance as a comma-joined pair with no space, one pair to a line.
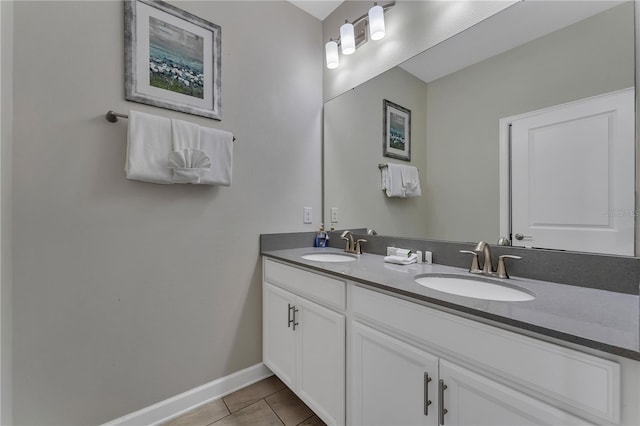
396,131
172,58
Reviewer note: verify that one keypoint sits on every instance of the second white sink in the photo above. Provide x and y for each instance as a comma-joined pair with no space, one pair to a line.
329,257
475,288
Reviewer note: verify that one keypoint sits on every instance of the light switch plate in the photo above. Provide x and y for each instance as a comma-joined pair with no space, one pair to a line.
307,215
334,215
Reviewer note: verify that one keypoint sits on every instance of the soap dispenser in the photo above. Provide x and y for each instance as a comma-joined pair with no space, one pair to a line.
321,238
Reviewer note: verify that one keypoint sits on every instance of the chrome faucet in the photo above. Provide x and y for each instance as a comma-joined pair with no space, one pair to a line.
352,247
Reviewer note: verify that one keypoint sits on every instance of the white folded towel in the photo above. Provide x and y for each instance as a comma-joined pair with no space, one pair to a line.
187,160
218,145
188,165
148,148
402,260
401,181
161,150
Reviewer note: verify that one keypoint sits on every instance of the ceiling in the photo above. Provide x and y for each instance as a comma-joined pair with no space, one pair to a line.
318,8
516,25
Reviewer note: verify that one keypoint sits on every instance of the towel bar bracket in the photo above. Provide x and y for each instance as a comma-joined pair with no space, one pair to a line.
112,116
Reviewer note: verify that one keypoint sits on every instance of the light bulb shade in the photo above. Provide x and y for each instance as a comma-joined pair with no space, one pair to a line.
331,53
376,22
347,39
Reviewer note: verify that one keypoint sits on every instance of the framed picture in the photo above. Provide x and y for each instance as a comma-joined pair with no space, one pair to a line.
172,58
397,131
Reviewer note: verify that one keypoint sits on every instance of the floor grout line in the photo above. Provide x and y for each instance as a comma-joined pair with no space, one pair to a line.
264,398
275,412
306,419
225,404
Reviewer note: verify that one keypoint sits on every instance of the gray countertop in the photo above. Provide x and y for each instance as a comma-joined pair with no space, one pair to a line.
599,319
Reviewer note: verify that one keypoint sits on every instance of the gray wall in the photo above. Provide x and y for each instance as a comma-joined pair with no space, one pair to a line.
411,27
464,108
125,292
353,147
6,106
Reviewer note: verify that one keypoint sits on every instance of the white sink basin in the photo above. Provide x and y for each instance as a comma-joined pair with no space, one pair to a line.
475,288
329,257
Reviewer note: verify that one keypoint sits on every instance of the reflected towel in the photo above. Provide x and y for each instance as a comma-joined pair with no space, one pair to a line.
401,181
148,148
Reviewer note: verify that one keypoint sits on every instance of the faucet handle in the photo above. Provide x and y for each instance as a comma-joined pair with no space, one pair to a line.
358,246
475,265
502,269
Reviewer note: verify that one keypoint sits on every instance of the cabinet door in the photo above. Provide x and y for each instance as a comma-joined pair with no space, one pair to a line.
471,399
278,334
321,359
390,381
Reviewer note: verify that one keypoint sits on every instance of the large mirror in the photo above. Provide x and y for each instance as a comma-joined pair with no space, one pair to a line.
531,56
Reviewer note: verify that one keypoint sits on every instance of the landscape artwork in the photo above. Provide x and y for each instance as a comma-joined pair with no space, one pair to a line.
176,59
396,131
172,58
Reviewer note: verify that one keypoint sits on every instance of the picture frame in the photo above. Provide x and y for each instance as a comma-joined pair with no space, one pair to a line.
396,131
172,59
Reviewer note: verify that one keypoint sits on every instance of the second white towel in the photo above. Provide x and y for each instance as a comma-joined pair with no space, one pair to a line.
401,260
148,148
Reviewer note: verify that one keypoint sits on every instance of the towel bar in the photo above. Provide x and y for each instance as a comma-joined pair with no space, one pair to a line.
112,117
383,165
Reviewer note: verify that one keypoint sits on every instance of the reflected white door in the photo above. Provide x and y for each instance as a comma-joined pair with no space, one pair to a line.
572,169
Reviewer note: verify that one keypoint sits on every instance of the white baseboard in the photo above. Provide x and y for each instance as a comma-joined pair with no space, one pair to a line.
174,406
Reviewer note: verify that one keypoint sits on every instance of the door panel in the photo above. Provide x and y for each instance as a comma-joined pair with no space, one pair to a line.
474,400
388,381
573,174
321,348
279,337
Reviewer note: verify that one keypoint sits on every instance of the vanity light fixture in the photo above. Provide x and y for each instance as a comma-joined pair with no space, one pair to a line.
376,22
331,52
353,34
347,38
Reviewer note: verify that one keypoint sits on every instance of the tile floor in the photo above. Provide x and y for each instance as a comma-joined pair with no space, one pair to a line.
267,402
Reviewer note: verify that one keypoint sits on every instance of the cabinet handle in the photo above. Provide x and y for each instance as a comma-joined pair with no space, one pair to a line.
291,308
294,318
441,410
427,401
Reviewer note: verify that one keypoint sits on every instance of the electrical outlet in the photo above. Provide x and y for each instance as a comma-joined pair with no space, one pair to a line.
334,215
307,215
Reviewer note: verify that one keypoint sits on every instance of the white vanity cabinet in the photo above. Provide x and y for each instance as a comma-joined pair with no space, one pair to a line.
368,357
480,375
304,336
395,383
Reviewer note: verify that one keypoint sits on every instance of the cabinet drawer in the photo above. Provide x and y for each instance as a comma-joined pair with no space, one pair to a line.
580,382
322,289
